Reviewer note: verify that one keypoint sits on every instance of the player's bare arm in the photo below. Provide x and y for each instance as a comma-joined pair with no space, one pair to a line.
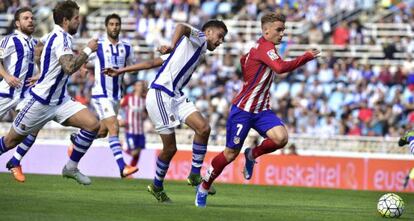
70,63
136,67
10,79
180,30
37,53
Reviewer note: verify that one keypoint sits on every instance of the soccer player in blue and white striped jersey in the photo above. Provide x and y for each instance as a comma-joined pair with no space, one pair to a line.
16,68
49,99
168,107
106,92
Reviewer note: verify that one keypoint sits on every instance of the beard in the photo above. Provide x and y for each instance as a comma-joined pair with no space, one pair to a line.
27,30
113,35
72,30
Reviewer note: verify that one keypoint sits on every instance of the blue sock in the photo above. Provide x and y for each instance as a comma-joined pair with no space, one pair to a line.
199,152
3,148
117,151
82,143
410,139
162,168
22,149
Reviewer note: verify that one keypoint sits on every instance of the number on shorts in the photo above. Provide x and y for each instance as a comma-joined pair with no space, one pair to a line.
239,128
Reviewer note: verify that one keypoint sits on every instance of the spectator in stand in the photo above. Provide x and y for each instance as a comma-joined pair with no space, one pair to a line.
341,34
315,35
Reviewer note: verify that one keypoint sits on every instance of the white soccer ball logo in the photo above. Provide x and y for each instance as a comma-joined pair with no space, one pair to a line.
390,205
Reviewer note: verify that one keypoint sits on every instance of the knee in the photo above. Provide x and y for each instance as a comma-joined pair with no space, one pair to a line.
204,130
113,129
93,126
230,154
280,140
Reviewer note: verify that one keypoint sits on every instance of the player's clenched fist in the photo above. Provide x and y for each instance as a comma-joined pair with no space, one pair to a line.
93,44
165,49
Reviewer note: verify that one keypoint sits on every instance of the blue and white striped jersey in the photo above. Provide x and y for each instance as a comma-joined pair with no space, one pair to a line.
180,64
17,53
111,55
50,89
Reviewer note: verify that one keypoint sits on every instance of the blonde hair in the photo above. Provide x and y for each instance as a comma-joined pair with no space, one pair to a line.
272,17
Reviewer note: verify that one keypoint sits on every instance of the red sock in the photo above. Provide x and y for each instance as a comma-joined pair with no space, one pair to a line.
217,165
267,146
134,161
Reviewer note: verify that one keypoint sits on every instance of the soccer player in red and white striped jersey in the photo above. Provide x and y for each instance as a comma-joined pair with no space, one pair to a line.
134,106
250,108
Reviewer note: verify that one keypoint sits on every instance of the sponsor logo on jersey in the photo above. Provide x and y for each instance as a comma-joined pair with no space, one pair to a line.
272,54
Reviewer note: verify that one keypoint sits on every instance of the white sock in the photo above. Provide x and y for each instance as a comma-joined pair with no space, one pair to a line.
201,189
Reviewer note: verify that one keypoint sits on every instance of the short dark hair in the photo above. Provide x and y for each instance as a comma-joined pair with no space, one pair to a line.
65,9
19,12
111,16
272,17
215,24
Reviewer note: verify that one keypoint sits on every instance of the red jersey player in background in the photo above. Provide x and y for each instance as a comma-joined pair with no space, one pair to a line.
135,114
250,108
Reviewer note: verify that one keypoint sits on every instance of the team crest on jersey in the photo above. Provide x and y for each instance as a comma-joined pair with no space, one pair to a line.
172,118
272,54
236,140
195,33
22,126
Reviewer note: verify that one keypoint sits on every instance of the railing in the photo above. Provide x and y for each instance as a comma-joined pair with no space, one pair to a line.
102,3
5,22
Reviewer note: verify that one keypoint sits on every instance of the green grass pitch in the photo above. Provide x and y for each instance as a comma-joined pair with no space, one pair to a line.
55,198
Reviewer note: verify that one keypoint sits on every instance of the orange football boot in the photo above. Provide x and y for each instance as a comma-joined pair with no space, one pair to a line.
128,170
16,171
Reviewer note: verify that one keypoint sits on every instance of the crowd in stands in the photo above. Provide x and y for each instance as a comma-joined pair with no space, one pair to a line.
328,96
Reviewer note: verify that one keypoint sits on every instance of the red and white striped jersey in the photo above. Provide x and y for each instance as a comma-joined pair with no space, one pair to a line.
258,68
134,111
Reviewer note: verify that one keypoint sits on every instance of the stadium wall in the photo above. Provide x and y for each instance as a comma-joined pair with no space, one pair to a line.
378,174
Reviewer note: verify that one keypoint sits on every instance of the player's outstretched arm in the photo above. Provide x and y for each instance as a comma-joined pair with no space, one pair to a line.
156,62
280,66
70,63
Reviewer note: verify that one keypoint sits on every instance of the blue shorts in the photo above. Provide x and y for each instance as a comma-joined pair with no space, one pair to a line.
240,122
135,141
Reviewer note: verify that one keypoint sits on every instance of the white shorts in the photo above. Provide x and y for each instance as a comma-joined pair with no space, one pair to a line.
7,104
166,112
105,108
35,115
